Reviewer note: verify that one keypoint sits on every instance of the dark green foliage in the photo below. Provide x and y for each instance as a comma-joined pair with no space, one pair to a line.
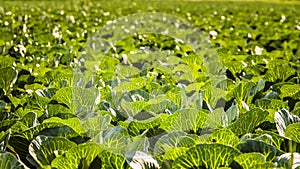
152,100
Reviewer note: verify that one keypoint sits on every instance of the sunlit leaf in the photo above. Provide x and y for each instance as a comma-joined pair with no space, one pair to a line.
207,155
247,160
82,155
292,131
8,77
224,136
44,149
248,121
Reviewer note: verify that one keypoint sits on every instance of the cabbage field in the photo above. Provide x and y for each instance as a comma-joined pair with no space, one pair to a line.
150,84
